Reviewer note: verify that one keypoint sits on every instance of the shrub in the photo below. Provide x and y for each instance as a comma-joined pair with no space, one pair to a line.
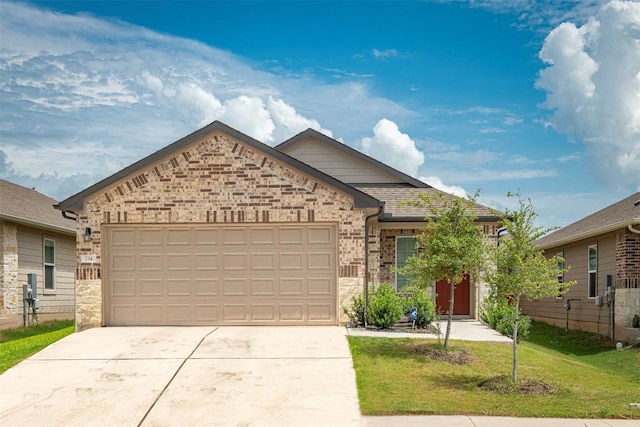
498,315
417,297
385,307
355,312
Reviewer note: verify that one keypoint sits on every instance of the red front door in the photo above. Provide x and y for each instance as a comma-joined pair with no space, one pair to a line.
461,297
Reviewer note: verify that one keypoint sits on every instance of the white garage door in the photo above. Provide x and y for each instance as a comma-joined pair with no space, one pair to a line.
227,275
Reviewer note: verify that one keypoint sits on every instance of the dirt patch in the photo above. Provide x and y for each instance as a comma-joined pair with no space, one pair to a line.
454,357
502,384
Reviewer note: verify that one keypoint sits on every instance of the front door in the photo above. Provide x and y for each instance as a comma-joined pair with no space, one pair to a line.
461,298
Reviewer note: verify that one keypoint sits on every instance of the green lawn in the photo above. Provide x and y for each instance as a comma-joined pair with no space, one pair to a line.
592,379
19,343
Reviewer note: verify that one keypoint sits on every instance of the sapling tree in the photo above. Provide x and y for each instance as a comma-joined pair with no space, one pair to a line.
451,243
520,268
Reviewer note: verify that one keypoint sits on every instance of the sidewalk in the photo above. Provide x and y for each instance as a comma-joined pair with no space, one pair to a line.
479,421
466,330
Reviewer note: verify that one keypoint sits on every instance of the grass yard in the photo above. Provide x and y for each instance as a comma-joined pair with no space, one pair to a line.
591,378
19,343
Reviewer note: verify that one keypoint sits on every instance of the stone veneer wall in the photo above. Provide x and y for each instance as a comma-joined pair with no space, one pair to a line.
10,295
217,180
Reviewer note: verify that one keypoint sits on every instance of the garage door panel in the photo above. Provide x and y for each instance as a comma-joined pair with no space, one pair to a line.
123,288
151,262
234,287
178,262
234,261
151,237
292,312
123,263
207,287
320,260
179,274
235,313
151,287
206,261
319,286
179,313
320,236
150,314
319,312
264,287
291,260
179,287
264,312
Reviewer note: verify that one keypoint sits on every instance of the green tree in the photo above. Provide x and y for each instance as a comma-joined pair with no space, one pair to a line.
520,268
451,243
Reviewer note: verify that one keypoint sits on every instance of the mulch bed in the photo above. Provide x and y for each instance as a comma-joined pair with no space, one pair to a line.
502,384
454,357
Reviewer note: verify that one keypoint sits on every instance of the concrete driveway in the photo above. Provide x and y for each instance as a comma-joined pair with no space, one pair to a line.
191,376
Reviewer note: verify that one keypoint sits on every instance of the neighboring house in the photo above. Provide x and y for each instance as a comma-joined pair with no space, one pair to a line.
602,252
35,238
219,228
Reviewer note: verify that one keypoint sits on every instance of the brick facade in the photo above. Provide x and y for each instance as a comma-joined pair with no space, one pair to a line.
217,180
627,260
10,289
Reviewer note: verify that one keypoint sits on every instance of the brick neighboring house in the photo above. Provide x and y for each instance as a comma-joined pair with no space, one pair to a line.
219,228
35,238
601,250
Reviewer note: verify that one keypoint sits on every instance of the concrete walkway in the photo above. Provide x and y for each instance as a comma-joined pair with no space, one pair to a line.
466,330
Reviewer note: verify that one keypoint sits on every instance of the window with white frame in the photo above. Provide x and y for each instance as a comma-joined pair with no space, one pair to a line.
49,264
560,263
405,249
593,272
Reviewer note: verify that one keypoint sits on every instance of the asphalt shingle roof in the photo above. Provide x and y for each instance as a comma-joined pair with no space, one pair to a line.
618,214
393,194
27,206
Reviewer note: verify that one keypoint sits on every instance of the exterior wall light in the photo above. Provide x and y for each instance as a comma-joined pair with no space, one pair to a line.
87,234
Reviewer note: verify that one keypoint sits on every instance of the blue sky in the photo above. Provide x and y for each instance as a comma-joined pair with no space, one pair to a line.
538,96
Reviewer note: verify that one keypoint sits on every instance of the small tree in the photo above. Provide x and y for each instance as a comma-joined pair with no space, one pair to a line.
521,269
451,244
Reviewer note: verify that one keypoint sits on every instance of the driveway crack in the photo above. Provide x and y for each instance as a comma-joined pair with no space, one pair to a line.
175,374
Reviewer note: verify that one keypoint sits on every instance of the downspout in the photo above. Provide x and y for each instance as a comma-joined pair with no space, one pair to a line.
366,261
633,230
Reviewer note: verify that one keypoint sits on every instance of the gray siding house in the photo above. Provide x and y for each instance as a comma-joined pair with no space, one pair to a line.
35,238
602,252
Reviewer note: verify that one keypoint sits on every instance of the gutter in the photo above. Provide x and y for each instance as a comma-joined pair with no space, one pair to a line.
366,259
39,225
606,229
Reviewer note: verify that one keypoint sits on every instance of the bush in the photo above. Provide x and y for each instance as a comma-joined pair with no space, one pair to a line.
355,312
417,297
498,315
385,307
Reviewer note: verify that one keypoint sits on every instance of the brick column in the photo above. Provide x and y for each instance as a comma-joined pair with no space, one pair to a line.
10,294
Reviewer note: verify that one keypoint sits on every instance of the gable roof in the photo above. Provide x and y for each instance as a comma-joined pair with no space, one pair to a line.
350,152
26,206
613,217
361,200
393,194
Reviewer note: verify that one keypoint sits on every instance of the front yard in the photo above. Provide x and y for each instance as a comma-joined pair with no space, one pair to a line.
591,379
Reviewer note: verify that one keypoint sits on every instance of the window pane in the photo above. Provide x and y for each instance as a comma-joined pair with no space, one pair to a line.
593,259
49,276
592,285
405,249
49,252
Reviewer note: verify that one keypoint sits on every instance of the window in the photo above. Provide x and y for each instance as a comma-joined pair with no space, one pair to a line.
560,262
405,249
593,271
49,264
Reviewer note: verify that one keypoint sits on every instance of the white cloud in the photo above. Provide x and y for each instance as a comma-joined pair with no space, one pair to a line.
436,182
593,87
386,53
393,147
125,91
